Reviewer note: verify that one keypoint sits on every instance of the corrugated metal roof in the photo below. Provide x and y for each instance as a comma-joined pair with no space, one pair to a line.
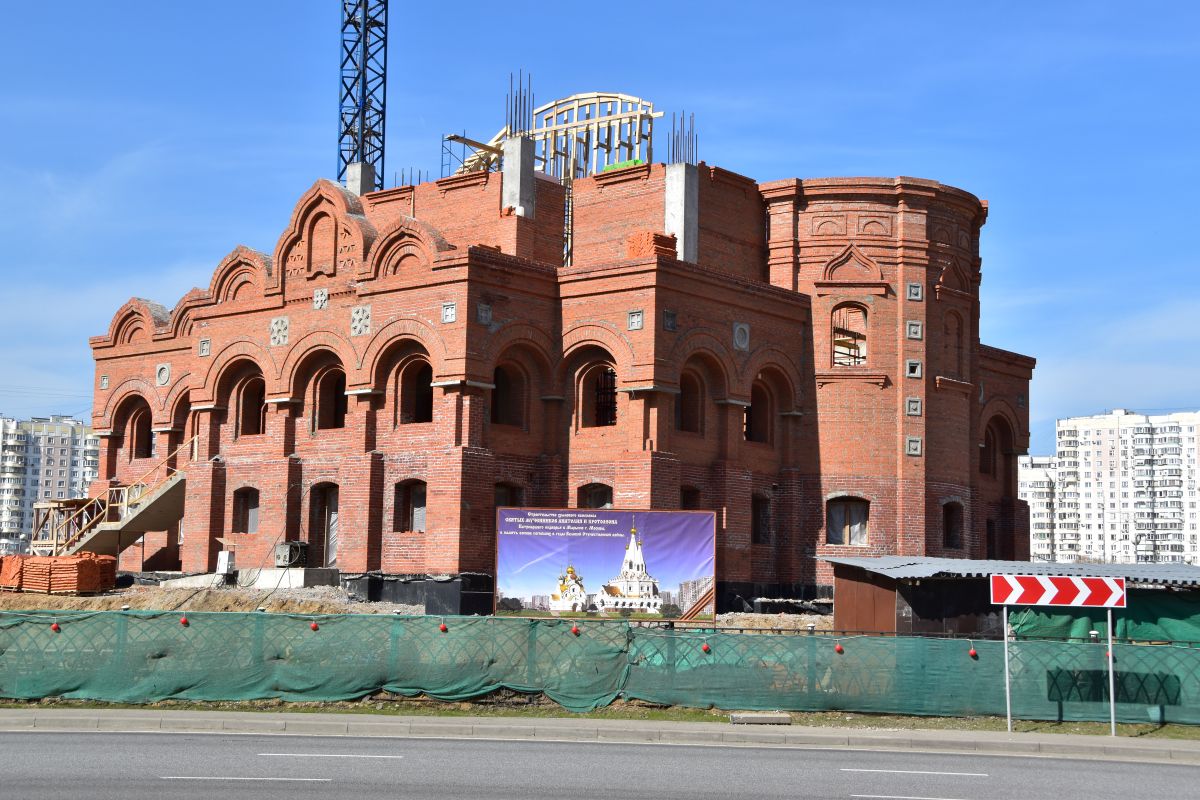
912,567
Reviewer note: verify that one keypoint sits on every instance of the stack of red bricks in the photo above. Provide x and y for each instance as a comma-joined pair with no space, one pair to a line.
85,573
10,573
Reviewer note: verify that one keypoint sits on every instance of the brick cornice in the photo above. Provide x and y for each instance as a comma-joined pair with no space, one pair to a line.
880,379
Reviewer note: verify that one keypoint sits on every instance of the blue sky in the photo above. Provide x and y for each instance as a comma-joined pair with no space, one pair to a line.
141,141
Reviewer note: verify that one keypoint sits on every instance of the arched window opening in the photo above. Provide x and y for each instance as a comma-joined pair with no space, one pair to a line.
141,436
508,397
760,519
416,393
245,510
598,396
252,408
690,498
409,509
757,421
849,336
323,523
509,496
595,495
846,521
329,400
952,523
689,404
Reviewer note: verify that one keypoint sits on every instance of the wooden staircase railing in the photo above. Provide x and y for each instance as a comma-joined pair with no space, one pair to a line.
59,532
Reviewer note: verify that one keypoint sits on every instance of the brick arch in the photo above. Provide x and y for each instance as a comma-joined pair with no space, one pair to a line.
403,236
514,334
299,353
181,386
235,350
381,341
592,334
771,358
122,392
704,341
953,276
601,335
242,264
323,197
136,321
181,314
851,265
999,407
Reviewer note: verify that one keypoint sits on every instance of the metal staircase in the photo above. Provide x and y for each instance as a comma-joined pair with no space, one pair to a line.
111,521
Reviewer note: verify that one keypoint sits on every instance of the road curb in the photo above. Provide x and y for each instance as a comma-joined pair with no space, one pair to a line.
1068,746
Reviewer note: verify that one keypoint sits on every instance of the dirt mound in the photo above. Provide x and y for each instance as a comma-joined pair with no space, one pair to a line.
311,600
823,622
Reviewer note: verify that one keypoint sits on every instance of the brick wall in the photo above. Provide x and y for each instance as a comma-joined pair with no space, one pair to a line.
440,274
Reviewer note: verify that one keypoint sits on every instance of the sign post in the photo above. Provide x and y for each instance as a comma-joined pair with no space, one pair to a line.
1060,590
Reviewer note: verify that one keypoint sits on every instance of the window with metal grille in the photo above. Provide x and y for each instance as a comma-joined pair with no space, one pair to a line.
606,397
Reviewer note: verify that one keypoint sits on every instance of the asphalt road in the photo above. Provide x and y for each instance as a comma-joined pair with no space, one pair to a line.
122,766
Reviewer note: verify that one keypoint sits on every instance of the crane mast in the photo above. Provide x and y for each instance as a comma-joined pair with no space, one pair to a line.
363,107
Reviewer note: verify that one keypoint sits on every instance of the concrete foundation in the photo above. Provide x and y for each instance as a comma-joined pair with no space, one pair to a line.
260,579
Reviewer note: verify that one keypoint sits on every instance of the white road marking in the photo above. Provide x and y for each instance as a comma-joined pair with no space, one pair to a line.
900,797
219,778
918,772
324,755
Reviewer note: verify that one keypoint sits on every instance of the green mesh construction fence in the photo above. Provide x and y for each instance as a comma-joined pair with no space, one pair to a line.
147,656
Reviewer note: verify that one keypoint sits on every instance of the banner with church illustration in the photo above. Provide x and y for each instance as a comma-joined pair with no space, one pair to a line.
605,562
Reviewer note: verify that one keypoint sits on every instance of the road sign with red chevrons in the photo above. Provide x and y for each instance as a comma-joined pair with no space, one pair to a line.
1058,590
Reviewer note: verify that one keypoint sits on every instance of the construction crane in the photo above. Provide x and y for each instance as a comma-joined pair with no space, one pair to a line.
363,108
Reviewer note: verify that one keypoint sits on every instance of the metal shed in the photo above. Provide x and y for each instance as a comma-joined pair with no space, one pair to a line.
919,595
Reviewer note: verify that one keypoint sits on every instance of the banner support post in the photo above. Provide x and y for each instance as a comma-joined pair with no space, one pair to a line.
1007,684
1112,694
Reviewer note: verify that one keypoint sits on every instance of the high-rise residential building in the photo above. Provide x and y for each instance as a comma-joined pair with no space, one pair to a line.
1122,487
1037,484
41,459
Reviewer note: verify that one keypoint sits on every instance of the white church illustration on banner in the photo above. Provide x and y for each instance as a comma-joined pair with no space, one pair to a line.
571,596
633,589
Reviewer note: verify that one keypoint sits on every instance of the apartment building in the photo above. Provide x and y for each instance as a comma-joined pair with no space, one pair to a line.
1122,487
43,458
1037,482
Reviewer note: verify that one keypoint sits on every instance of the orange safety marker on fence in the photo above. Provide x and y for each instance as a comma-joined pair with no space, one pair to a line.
315,626
837,648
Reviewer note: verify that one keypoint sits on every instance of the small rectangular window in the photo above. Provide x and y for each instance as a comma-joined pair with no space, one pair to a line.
846,521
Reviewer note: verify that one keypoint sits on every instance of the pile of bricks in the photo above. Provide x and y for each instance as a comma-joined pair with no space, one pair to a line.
10,573
85,573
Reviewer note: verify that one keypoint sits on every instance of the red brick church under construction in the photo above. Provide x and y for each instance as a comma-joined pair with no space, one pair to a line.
801,356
